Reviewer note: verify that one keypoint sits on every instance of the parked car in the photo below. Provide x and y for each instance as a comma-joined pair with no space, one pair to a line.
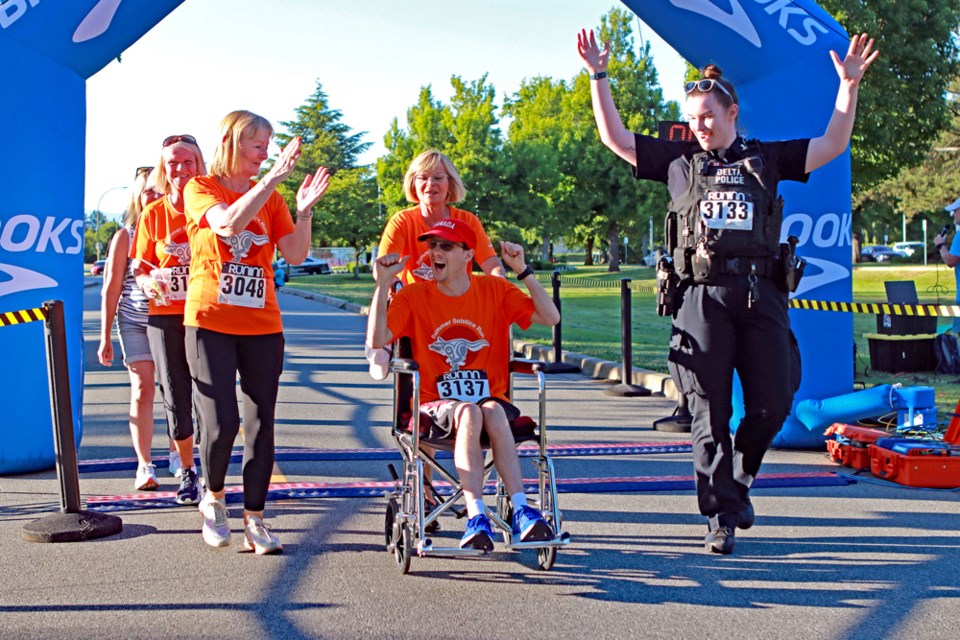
97,268
877,253
907,249
311,266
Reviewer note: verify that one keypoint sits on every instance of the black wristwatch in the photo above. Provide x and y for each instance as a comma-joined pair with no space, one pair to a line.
526,272
599,75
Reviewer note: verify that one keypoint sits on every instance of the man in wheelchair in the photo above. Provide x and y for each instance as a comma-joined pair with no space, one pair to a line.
459,324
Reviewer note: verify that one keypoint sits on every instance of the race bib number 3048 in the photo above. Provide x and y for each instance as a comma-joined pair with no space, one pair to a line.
242,285
466,385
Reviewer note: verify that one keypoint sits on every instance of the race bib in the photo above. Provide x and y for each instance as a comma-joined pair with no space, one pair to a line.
179,276
727,214
466,385
242,285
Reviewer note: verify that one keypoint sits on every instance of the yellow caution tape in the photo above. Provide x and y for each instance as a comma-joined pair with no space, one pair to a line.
22,316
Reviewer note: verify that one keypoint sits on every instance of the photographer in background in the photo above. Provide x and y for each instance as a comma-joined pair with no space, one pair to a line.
952,256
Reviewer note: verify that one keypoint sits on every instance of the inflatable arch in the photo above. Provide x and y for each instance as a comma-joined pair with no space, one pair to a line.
774,50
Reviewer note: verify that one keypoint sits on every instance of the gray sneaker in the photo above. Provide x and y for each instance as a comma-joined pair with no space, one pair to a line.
257,537
189,491
216,526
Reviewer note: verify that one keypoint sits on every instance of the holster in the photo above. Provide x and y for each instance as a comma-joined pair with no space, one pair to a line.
667,281
793,265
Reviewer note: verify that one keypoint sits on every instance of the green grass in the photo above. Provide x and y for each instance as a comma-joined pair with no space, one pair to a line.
591,316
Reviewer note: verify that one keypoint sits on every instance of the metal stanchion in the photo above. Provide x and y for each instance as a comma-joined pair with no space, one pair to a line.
558,365
625,387
72,523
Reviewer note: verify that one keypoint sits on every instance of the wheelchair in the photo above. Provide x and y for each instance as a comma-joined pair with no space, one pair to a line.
410,518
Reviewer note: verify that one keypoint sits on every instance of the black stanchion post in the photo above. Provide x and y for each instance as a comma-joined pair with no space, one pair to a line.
72,523
558,365
626,386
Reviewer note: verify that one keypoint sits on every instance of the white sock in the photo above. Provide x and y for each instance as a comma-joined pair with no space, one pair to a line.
518,500
474,507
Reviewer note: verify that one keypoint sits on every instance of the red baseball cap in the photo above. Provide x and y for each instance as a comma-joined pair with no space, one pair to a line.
452,229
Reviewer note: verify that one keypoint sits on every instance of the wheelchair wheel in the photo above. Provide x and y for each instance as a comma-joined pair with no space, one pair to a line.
404,548
388,521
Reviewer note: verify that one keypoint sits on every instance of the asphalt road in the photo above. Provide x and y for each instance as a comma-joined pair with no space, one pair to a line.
866,560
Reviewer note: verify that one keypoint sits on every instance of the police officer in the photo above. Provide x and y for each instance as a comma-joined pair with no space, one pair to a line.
730,308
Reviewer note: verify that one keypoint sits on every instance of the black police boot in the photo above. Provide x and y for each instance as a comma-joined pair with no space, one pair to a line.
720,539
746,515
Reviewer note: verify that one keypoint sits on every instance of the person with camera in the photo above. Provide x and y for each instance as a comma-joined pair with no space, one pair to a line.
730,303
951,257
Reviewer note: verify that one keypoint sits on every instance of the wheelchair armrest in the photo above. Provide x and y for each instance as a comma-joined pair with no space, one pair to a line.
401,365
525,366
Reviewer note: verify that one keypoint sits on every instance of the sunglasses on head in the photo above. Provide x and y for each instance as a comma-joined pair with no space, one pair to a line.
445,245
705,86
169,140
141,171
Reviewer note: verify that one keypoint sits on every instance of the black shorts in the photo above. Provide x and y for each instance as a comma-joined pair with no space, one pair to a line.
436,419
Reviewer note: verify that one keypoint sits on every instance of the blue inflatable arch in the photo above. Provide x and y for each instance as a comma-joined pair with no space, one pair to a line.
49,49
776,52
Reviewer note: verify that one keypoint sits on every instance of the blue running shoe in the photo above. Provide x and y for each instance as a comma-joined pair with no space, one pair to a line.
478,535
530,525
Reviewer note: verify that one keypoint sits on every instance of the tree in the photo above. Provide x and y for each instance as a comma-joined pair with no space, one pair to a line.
349,213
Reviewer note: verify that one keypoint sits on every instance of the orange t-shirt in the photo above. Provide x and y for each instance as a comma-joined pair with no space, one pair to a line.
230,277
460,340
161,240
400,236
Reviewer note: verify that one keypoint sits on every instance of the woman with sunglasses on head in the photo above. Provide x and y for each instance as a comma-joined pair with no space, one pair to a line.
730,308
121,298
232,319
161,253
432,183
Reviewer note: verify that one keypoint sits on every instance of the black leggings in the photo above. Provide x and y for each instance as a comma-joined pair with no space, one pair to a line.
215,360
167,344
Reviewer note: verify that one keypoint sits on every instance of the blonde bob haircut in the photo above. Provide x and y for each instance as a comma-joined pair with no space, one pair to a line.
160,173
430,161
144,180
234,126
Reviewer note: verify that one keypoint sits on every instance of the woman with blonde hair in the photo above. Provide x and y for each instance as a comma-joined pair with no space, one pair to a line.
123,300
162,258
232,318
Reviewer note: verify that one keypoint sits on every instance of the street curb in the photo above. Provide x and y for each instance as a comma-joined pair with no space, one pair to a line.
658,383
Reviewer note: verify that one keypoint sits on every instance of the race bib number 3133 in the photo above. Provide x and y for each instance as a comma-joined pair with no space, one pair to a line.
243,285
466,385
727,214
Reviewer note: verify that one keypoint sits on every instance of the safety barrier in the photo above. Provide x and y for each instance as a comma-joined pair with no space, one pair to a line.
72,523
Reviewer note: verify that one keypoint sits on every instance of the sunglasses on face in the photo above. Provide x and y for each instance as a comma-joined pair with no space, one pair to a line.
445,245
141,171
169,140
705,86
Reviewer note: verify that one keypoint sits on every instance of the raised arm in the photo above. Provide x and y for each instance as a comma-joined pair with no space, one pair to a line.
545,312
230,220
835,139
296,246
612,132
385,271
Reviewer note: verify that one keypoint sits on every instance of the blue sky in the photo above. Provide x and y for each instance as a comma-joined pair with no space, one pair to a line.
210,57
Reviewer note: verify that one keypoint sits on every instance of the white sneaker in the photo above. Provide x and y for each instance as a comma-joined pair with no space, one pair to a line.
379,360
174,467
258,538
216,525
146,478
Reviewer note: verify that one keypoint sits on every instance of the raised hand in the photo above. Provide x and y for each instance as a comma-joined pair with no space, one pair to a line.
387,267
286,163
312,189
512,256
858,58
595,59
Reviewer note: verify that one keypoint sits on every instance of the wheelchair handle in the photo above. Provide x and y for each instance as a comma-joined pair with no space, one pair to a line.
404,364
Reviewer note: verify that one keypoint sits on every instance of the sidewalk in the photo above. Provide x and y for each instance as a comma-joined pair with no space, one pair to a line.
864,560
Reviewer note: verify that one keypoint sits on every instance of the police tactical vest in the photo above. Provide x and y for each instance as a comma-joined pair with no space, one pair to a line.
727,210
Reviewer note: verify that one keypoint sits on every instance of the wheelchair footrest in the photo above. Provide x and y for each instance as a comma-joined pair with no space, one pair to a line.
560,540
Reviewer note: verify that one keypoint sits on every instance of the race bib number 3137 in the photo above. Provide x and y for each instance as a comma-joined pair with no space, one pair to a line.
243,285
466,385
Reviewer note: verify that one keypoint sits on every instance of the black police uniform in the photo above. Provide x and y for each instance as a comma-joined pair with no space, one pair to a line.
730,311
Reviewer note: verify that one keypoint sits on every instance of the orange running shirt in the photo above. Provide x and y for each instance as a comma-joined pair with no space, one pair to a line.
161,240
253,248
460,336
400,236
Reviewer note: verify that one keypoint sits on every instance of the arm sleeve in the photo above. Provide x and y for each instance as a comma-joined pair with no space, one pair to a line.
143,246
518,305
655,155
790,156
485,249
281,220
399,314
392,239
197,198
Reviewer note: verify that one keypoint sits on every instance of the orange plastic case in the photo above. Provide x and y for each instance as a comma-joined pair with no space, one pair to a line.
916,463
849,446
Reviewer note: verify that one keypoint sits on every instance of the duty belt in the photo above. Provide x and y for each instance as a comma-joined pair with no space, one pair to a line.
763,266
